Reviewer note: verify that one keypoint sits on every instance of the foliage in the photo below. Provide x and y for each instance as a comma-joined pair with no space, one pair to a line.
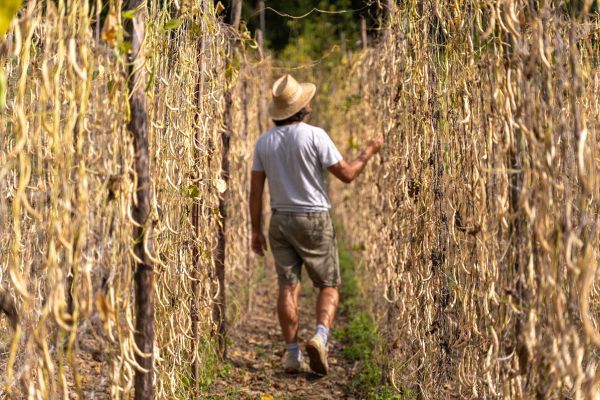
350,290
360,335
314,35
67,189
390,393
479,256
8,9
476,225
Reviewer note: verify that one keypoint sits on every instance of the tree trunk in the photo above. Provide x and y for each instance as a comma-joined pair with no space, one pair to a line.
261,43
363,33
261,16
143,276
236,13
261,31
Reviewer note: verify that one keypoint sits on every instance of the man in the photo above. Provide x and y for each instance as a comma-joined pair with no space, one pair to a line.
293,157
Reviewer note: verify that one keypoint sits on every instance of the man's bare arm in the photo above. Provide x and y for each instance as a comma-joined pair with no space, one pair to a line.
257,185
348,171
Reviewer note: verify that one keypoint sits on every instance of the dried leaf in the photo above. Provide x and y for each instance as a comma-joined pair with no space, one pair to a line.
220,185
219,8
110,29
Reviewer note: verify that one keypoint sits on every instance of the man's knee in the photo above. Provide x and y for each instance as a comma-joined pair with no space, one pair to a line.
329,291
288,287
330,295
289,290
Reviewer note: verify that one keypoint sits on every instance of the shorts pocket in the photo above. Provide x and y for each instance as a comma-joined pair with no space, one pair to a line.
312,231
321,227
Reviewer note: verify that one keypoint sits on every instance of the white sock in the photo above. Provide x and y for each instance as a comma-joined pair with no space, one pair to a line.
323,331
293,351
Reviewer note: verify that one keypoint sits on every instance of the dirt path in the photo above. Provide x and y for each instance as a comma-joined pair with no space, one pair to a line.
257,351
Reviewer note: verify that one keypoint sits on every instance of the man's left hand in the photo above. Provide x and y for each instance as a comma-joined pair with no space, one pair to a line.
259,243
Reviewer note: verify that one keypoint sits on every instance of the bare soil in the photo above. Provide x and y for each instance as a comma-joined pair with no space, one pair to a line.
257,351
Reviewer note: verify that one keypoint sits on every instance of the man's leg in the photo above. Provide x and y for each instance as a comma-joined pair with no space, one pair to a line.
327,303
287,310
288,264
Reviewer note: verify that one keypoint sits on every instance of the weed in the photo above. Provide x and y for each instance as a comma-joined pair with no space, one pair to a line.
350,286
390,393
360,336
260,351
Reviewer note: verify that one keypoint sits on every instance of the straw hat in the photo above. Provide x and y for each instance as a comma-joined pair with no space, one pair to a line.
289,97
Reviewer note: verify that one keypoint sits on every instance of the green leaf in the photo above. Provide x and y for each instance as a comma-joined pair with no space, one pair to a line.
191,191
124,47
129,14
196,29
253,44
173,24
8,9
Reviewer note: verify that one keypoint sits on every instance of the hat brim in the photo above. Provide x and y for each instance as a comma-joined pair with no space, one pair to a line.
280,113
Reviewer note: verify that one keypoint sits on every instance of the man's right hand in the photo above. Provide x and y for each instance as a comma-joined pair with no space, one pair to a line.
347,172
375,143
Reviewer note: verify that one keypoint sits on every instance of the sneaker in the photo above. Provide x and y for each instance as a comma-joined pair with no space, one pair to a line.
317,354
293,366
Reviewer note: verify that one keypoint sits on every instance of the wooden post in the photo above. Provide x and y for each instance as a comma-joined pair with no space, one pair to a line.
260,37
386,17
220,304
261,16
195,306
245,134
236,13
363,32
260,32
143,276
261,43
390,6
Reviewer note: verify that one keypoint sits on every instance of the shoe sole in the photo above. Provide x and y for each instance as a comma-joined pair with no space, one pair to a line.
318,360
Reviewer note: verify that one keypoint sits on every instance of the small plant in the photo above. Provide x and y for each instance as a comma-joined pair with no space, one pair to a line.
390,393
360,336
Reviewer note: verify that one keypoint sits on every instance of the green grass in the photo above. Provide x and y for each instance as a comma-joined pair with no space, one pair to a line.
360,336
213,369
349,290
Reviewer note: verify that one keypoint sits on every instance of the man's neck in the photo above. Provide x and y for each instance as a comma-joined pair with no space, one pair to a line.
291,123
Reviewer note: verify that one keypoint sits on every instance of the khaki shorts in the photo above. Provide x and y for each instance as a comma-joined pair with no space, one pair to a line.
304,238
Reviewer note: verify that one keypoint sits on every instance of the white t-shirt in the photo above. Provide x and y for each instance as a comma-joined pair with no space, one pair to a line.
294,157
